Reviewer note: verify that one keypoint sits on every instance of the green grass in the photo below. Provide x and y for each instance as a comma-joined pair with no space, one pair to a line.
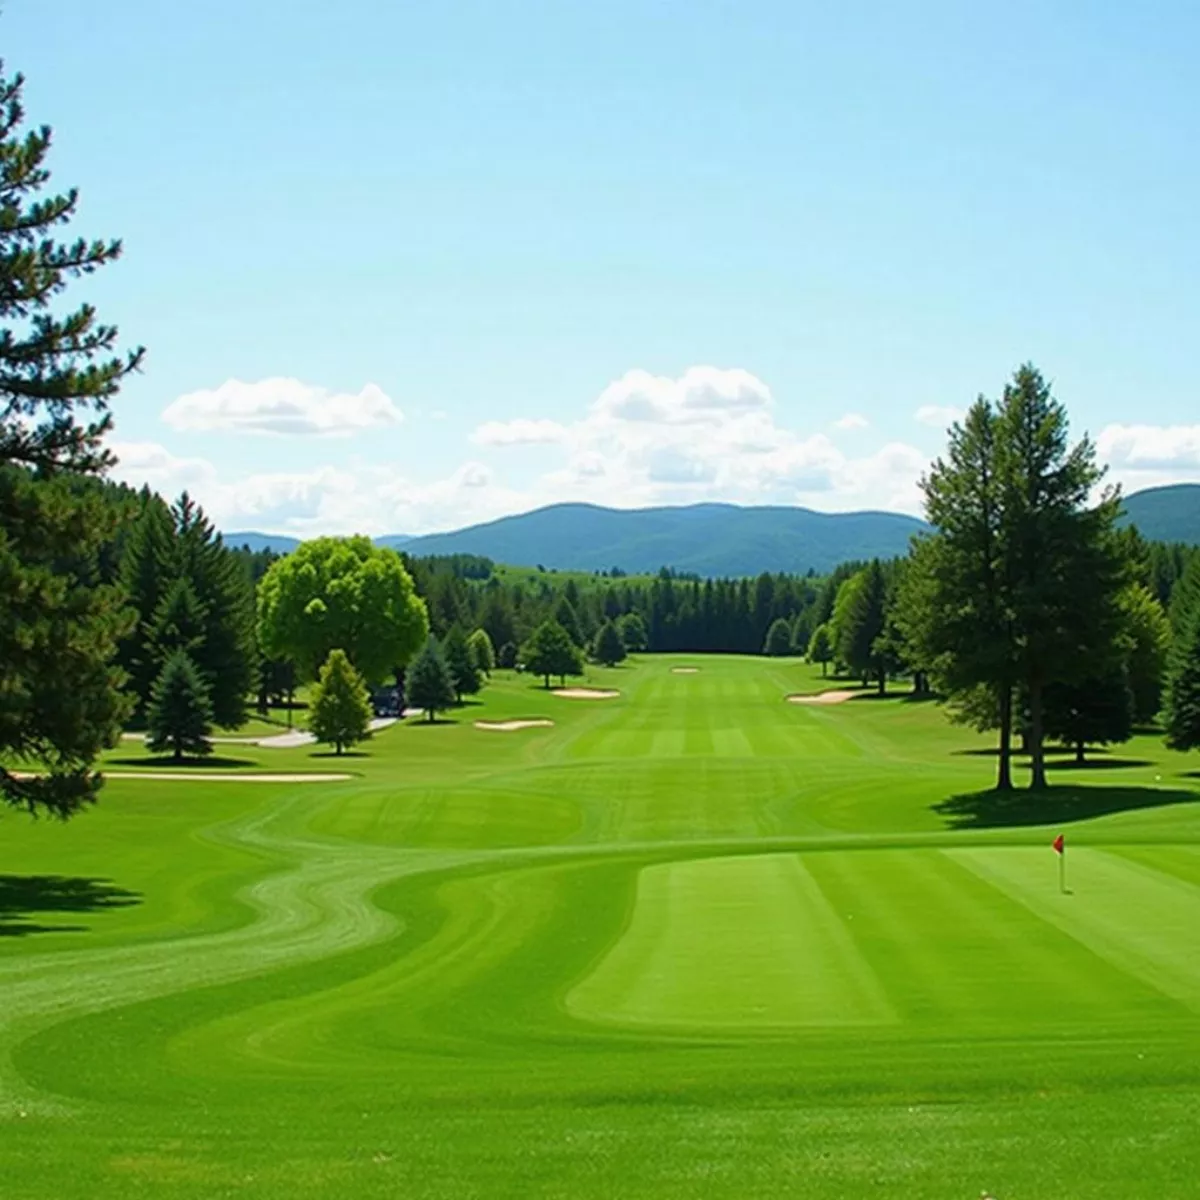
693,941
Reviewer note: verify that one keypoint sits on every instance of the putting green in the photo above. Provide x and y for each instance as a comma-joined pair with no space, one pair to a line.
732,942
693,941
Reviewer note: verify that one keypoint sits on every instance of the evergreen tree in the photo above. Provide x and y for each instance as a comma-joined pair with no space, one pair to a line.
227,656
180,713
1092,712
568,618
1181,710
550,651
428,682
633,632
1063,561
60,702
858,620
148,568
1147,633
779,639
608,647
179,622
461,662
820,648
340,707
482,653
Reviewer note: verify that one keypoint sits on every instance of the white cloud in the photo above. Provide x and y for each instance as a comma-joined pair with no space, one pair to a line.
851,421
281,406
709,434
1151,447
519,432
940,416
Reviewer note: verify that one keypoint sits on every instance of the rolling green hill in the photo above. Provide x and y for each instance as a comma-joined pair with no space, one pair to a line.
708,539
1166,514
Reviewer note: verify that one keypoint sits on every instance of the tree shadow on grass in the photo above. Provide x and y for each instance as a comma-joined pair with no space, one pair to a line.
344,754
1096,764
22,895
1054,806
166,762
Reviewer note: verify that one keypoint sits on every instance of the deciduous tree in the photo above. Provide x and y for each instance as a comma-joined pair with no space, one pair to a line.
550,651
340,706
341,593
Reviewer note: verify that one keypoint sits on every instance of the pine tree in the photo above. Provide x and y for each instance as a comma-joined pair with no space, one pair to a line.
461,662
179,622
550,651
180,713
566,616
428,683
227,656
779,639
608,648
1181,709
340,708
60,703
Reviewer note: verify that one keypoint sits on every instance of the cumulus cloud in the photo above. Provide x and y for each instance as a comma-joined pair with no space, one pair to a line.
281,406
519,432
1151,447
851,421
709,434
939,416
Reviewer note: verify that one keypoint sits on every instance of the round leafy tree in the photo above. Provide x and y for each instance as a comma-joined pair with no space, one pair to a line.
779,639
482,652
344,593
550,651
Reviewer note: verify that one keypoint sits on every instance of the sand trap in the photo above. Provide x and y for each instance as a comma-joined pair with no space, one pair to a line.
586,693
513,726
685,670
822,698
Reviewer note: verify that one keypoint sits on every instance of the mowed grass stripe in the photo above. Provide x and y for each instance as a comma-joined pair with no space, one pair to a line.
955,953
747,943
1144,921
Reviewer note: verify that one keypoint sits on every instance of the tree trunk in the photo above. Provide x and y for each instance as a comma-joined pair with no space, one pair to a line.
1079,750
882,682
290,693
824,667
337,747
547,678
429,715
178,754
1037,751
1004,765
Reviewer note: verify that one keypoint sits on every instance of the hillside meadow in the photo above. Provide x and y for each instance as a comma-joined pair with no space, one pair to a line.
692,940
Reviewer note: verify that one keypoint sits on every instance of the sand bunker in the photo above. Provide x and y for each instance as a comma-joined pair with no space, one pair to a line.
685,670
513,726
576,693
822,698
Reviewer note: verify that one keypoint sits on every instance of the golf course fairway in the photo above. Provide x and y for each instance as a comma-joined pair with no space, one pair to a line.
693,941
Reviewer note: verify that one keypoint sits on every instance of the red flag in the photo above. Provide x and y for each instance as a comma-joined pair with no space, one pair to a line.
1058,844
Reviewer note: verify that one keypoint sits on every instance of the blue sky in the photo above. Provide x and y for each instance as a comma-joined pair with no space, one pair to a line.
402,267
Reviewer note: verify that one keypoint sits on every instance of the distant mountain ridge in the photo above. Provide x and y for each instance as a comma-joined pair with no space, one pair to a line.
707,539
1166,514
719,539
